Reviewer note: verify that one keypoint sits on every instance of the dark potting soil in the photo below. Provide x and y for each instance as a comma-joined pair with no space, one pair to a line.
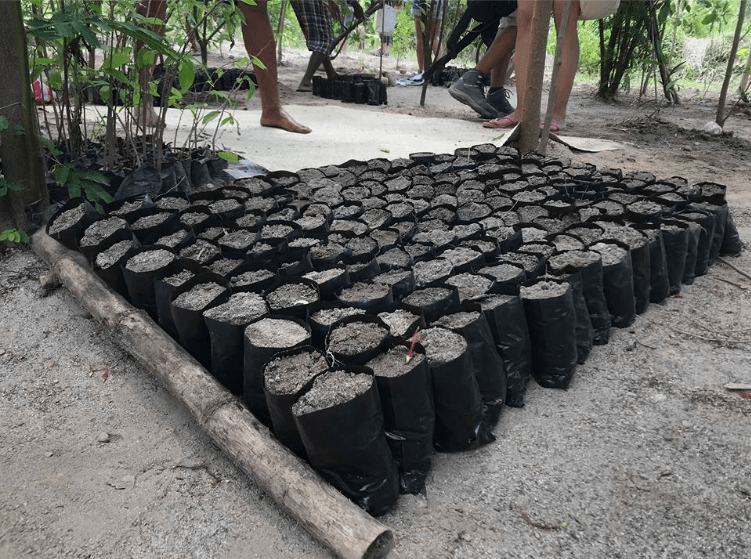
589,235
645,207
532,234
310,222
363,291
538,248
611,254
567,242
432,225
286,214
610,207
260,248
325,275
276,231
352,338
460,256
490,302
212,233
426,296
501,233
331,389
152,220
275,333
179,278
327,250
288,374
226,205
260,203
356,227
67,219
485,247
373,203
531,213
100,230
172,240
417,250
392,277
398,321
544,290
304,242
574,258
201,251
108,257
362,245
149,260
436,238
224,266
457,320
327,317
240,308
375,218
250,277
470,285
429,271
550,224
347,211
174,203
249,220
395,257
198,296
240,239
632,237
127,208
290,295
394,362
468,230
527,261
193,218
441,345
400,209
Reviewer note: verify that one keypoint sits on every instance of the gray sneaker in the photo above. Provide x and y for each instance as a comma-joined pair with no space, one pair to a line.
498,98
469,90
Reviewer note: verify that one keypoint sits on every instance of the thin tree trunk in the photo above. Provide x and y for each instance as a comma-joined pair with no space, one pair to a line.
280,31
554,78
746,76
721,116
20,151
530,126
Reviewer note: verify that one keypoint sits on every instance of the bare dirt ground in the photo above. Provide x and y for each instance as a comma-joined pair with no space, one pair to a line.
646,455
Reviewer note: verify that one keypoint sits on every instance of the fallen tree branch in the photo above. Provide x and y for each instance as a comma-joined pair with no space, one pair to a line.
734,267
332,519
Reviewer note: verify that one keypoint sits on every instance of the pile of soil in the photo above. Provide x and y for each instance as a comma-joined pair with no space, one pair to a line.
288,374
240,308
200,295
331,389
275,333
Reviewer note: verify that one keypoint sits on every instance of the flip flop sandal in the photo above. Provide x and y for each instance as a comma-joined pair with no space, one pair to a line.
503,122
553,126
305,88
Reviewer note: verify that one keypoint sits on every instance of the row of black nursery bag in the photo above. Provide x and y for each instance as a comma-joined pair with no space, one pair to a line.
373,312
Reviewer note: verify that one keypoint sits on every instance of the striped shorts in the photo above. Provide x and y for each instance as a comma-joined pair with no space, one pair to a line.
315,21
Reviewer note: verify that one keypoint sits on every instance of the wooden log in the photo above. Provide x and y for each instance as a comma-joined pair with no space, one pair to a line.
332,519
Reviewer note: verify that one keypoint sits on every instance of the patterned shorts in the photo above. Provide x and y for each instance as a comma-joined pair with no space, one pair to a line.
315,21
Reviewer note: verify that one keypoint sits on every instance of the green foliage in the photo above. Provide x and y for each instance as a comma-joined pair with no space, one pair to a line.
6,186
14,236
3,123
82,182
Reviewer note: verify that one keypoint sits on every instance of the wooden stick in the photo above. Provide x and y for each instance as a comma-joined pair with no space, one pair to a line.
734,267
332,519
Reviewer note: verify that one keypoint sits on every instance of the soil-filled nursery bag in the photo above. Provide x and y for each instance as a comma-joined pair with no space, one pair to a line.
731,241
487,365
65,225
166,281
264,339
406,393
403,319
226,323
583,328
286,377
139,270
108,261
641,267
459,423
675,239
188,303
706,221
91,239
720,215
435,302
618,282
355,340
551,318
508,324
293,296
368,295
341,425
589,263
660,286
327,314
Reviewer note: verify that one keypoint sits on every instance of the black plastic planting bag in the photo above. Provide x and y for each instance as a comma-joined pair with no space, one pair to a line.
731,241
552,331
706,221
692,249
641,269
255,357
584,331
191,328
487,364
618,287
143,181
675,240
349,340
597,305
346,444
438,307
659,285
227,344
507,322
163,292
720,216
66,233
112,275
459,423
281,393
140,284
409,415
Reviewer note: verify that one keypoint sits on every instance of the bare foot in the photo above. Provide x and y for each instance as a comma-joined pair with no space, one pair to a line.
285,122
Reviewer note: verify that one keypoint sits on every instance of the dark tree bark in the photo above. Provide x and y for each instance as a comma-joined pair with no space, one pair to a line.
721,116
19,148
530,127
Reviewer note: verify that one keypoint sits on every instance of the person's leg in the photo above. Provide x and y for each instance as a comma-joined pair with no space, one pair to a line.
418,44
259,43
569,58
316,59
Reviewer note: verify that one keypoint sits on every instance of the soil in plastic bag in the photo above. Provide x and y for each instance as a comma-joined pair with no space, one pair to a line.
166,281
584,331
660,286
487,365
505,316
618,282
459,423
65,225
720,215
341,425
642,272
406,395
706,221
263,340
286,377
551,318
143,181
355,340
597,305
139,270
187,312
731,241
675,240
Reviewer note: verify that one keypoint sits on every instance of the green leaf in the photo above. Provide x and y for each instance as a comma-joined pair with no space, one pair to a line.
257,62
24,236
209,117
228,156
20,130
115,60
55,80
5,235
3,123
61,173
145,58
186,74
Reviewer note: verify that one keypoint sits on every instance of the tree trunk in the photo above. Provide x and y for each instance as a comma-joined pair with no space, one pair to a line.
746,76
530,127
19,144
545,135
721,116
